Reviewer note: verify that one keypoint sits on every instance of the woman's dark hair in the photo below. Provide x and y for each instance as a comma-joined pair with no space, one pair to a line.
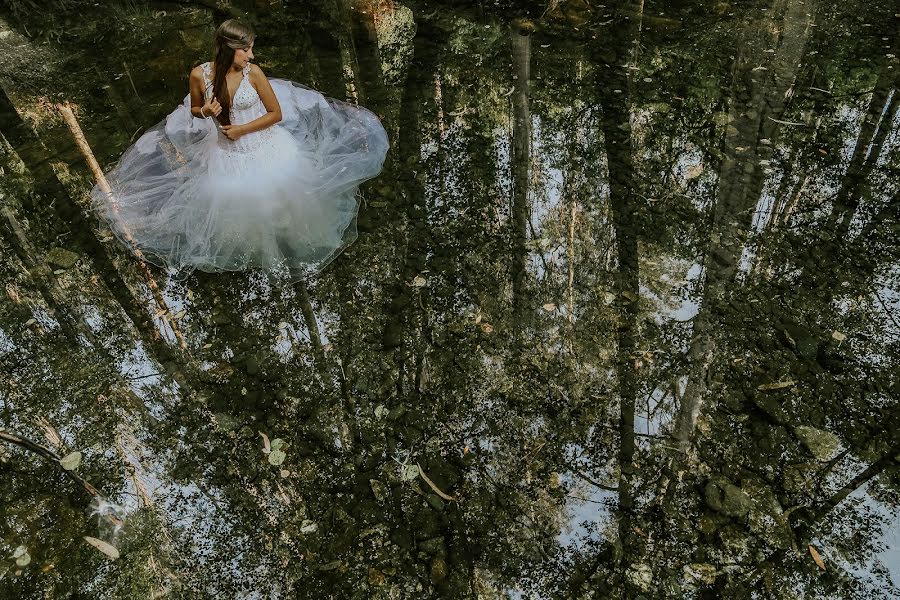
230,36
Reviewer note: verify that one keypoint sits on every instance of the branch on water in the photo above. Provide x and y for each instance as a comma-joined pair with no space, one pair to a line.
50,455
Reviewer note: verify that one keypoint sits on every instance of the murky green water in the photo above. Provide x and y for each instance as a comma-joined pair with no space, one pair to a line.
622,320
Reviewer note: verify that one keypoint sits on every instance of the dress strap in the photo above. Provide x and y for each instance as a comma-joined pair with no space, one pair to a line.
246,70
207,78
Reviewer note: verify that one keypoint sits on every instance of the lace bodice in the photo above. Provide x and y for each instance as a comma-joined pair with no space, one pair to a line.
245,107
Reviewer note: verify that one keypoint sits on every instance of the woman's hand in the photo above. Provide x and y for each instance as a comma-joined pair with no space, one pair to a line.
232,132
212,108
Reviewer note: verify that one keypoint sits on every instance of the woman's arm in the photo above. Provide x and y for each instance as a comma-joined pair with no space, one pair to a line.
273,110
200,107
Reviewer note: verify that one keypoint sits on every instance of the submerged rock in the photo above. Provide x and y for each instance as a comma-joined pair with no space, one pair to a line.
725,497
822,444
61,257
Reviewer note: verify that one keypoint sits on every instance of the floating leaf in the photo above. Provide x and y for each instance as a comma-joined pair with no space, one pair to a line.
775,386
19,551
267,446
308,526
71,461
278,444
380,411
694,171
487,327
419,281
549,307
837,335
104,547
817,557
276,457
23,560
409,472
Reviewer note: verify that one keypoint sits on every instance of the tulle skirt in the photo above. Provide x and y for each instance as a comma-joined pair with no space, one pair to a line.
282,199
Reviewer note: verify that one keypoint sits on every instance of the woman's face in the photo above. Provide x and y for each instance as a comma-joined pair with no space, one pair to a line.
243,56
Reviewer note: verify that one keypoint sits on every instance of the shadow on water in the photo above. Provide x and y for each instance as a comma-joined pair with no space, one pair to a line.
621,321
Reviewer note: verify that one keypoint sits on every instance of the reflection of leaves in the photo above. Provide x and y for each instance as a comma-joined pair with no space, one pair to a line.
104,547
71,461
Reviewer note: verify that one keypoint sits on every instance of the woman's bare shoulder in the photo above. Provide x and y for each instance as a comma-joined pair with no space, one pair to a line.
256,72
197,73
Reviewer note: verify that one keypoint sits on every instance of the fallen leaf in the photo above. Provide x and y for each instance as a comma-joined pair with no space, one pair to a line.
487,327
419,281
817,557
71,461
278,444
267,446
549,307
837,335
104,547
694,171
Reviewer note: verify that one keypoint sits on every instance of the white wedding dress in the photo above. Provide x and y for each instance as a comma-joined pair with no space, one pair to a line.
280,199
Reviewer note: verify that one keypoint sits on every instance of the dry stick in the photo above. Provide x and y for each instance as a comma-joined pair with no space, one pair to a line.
94,166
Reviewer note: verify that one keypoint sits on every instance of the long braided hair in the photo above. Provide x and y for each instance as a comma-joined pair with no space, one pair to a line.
230,36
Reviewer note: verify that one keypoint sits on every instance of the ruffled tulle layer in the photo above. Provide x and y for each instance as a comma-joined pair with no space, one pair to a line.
282,199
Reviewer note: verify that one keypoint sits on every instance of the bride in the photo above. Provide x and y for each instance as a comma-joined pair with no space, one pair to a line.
247,172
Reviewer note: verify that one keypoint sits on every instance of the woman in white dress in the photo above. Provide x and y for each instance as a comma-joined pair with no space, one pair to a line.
246,173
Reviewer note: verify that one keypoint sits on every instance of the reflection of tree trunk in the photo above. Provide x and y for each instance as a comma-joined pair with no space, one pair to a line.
875,126
615,125
312,325
419,83
33,154
758,98
368,55
349,60
521,158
